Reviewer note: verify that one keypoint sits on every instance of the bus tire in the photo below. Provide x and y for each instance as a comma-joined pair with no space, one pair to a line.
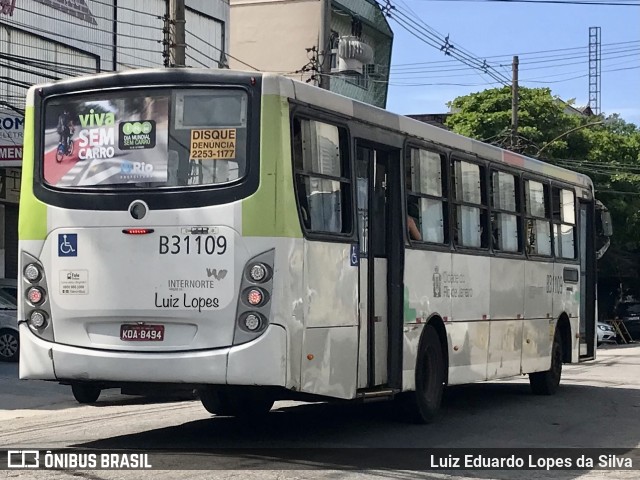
216,402
236,403
547,382
423,404
85,393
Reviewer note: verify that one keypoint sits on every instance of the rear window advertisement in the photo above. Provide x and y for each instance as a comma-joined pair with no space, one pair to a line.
106,142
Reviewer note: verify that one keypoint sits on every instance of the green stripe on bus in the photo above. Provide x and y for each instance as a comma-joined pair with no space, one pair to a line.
32,220
271,211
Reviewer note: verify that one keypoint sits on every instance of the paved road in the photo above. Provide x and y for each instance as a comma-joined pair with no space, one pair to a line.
597,406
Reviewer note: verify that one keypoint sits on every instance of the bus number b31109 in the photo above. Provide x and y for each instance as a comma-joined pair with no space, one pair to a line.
198,244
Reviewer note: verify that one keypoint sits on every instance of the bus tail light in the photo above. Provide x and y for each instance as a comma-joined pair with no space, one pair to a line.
137,231
35,295
34,307
256,297
254,302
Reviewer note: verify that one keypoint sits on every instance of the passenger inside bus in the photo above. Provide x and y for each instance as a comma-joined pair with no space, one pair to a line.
412,222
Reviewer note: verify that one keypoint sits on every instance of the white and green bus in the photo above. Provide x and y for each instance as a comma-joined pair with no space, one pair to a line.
256,238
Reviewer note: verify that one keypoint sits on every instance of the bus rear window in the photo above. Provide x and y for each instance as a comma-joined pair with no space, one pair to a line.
147,138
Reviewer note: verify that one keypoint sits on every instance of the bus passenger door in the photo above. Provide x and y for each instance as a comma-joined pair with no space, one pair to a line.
586,242
374,187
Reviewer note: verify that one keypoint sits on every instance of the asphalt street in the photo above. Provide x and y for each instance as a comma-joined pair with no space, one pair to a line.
598,406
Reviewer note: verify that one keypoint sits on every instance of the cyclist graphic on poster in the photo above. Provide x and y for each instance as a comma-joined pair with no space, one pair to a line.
65,128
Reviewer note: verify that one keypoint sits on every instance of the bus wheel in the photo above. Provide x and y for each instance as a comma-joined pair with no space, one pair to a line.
85,393
423,405
547,383
236,403
216,402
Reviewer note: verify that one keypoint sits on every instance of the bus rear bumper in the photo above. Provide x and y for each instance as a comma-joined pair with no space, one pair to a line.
260,362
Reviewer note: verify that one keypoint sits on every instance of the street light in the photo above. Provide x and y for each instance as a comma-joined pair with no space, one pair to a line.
568,132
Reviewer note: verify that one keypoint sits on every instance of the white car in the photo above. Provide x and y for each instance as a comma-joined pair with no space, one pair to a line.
606,333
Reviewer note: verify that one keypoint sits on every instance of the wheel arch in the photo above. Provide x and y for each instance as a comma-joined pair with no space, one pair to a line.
437,323
563,328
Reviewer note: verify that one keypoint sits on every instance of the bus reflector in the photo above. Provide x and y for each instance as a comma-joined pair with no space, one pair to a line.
137,231
38,319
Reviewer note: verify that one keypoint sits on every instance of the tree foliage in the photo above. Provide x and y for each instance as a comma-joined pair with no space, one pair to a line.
605,148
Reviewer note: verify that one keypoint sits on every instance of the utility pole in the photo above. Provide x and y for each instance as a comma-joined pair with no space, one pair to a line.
178,43
324,48
514,103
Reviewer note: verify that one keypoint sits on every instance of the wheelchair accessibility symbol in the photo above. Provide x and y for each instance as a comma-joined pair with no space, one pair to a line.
355,255
68,245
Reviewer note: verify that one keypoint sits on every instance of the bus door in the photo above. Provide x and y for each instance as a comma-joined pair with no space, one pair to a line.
588,273
377,191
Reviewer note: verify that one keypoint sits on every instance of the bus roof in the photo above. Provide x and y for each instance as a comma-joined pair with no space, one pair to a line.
277,84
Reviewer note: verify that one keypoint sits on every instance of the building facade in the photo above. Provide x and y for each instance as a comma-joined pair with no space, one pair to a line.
46,40
341,45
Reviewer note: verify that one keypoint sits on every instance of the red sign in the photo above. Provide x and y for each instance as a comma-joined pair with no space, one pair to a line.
10,153
7,7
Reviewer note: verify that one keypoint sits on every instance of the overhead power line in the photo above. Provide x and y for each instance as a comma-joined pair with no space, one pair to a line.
217,49
425,34
618,3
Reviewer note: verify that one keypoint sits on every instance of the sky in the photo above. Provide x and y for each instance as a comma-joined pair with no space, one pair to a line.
423,79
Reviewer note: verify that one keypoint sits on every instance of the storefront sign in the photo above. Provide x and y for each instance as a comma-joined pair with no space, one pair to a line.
11,138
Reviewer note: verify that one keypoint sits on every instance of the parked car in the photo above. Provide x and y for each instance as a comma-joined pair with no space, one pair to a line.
606,333
9,339
629,313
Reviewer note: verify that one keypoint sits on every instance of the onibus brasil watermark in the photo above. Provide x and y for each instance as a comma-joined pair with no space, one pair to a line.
36,459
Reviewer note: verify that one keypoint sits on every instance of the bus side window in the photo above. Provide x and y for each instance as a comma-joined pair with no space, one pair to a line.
505,235
563,206
538,231
470,211
426,188
301,189
322,185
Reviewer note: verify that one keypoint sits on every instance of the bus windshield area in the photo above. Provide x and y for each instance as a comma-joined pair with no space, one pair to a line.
145,138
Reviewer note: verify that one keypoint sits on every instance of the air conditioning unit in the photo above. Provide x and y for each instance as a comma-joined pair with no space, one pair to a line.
373,70
353,54
334,60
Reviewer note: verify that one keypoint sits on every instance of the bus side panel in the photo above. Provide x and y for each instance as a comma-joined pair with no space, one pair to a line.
32,231
271,211
423,298
566,300
270,214
507,308
539,325
32,220
330,345
287,306
468,284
